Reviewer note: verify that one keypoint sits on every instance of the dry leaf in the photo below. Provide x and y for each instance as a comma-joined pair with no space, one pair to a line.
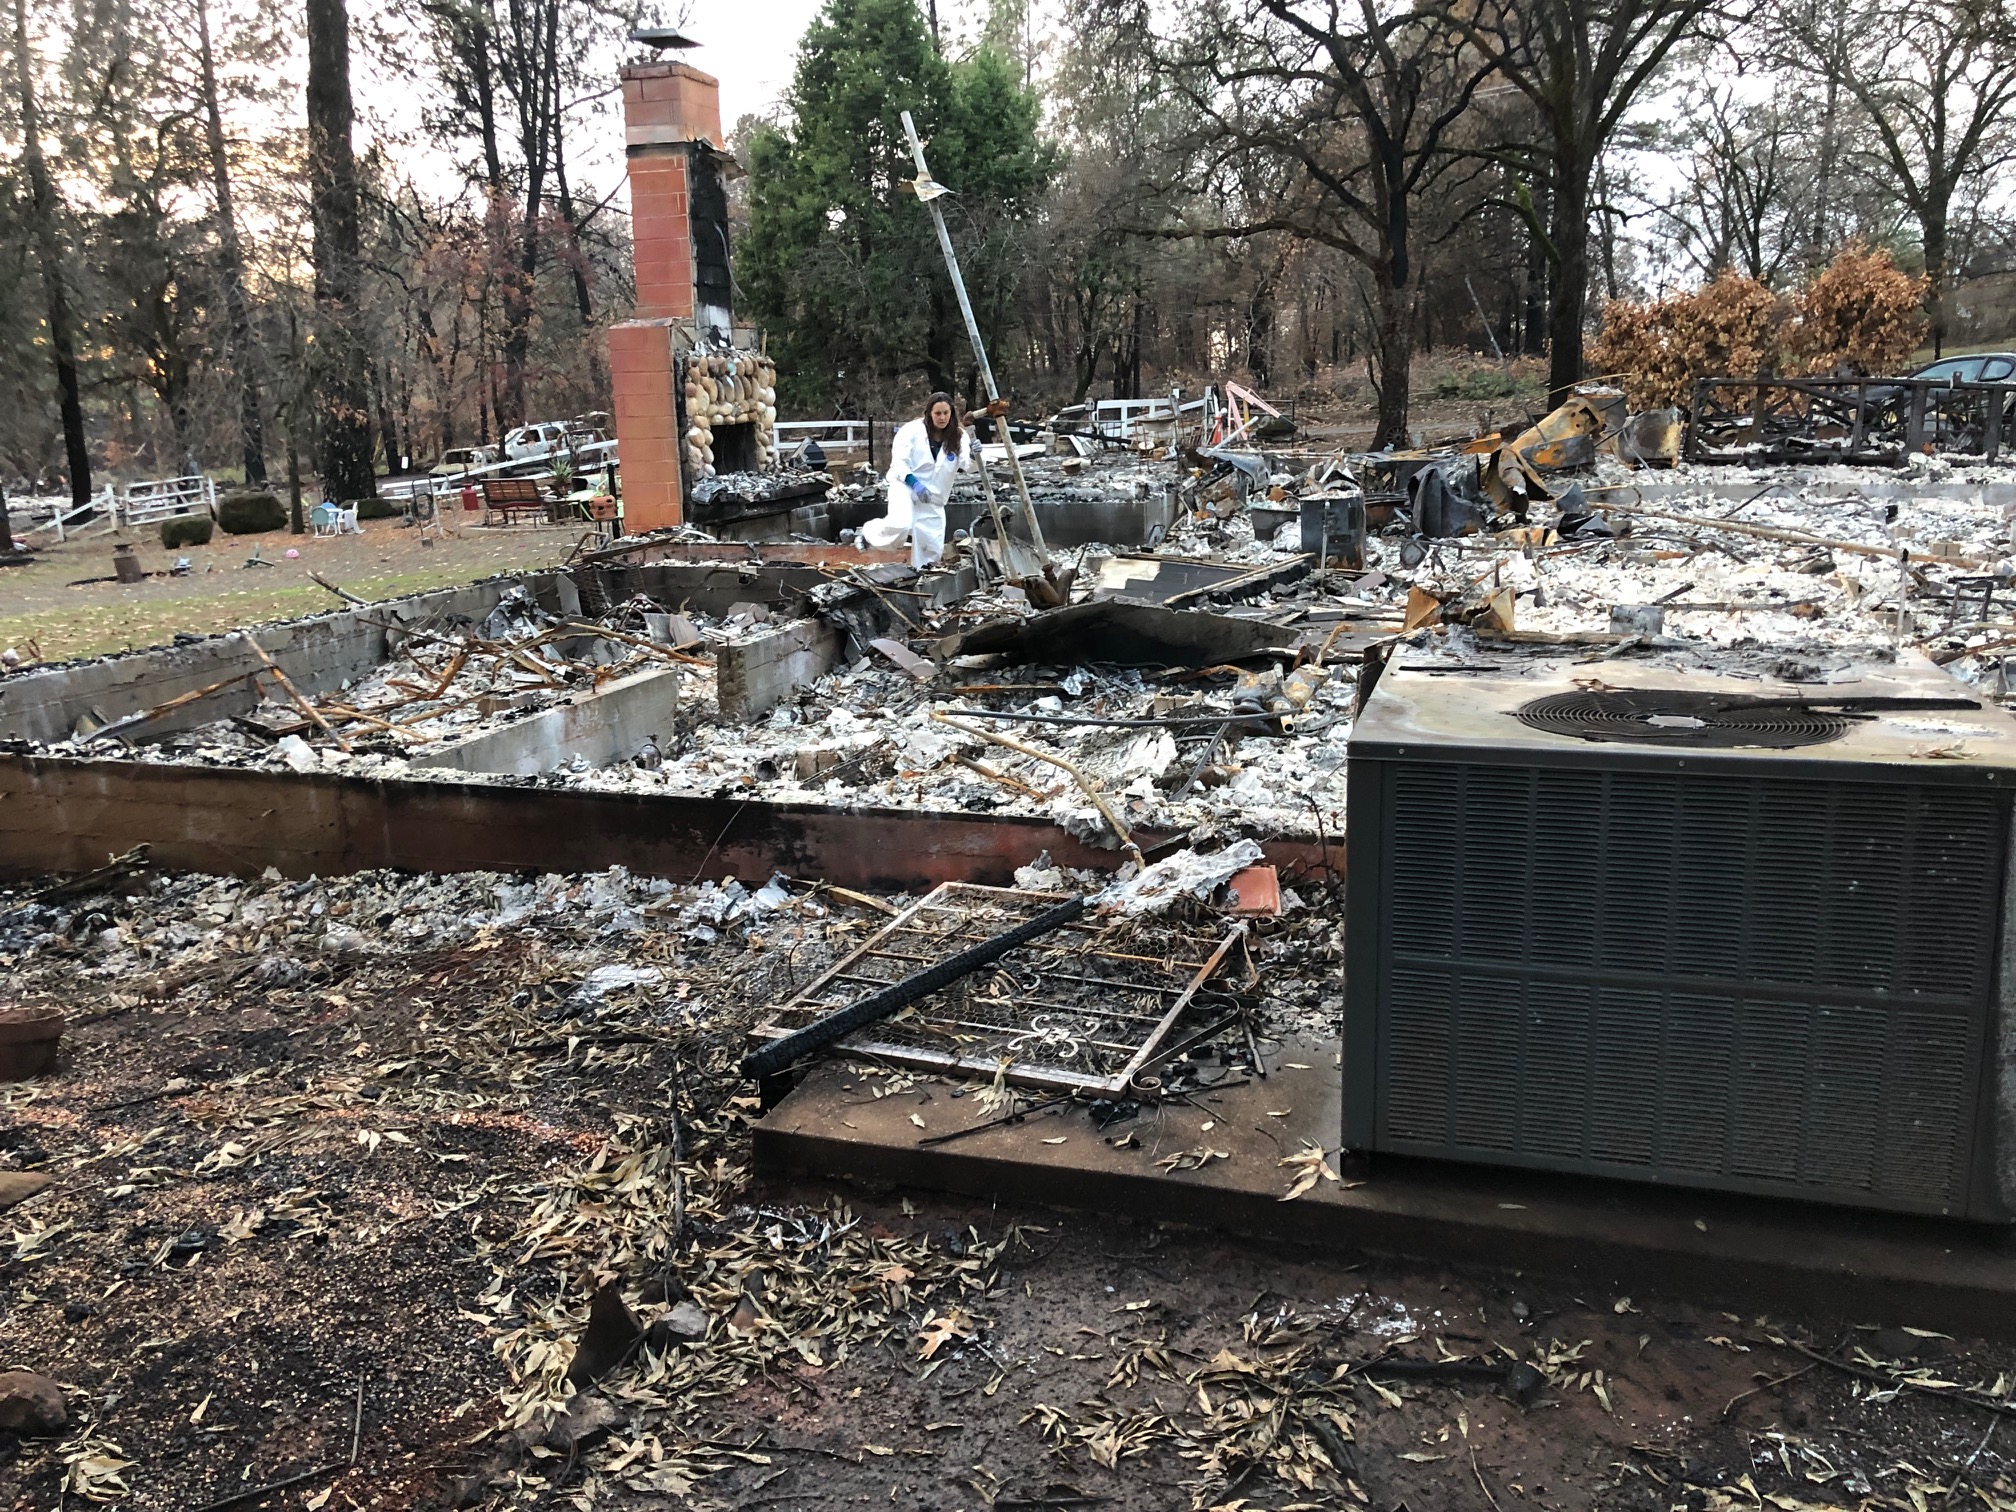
1190,1160
953,1323
1310,1166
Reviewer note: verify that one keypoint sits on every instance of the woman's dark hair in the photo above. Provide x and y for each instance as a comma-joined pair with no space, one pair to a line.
947,439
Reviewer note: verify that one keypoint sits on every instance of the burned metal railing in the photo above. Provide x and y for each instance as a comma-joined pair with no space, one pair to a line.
1873,421
1084,1009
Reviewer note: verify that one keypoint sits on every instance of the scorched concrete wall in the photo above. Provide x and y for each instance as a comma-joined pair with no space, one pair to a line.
318,654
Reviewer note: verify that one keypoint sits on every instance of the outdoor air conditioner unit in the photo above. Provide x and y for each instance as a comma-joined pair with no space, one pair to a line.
1693,928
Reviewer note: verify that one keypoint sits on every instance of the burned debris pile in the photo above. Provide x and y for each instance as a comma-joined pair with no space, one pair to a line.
513,1120
480,1145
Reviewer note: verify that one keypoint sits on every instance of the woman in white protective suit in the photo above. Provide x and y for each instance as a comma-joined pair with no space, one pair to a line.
923,460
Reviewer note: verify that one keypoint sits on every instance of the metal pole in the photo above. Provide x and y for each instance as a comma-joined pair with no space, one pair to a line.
924,183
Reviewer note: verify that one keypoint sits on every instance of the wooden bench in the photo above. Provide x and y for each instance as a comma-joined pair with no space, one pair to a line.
512,497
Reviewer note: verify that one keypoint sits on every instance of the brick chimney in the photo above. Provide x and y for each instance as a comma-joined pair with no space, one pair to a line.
672,122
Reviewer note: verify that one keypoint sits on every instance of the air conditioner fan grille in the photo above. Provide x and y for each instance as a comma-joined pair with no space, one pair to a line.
1675,717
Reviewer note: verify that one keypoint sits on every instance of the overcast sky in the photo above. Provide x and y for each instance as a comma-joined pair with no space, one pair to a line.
750,46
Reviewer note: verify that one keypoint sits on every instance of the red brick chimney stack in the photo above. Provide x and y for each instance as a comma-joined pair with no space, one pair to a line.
667,108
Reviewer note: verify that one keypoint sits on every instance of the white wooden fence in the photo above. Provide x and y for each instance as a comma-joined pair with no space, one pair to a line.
160,499
144,503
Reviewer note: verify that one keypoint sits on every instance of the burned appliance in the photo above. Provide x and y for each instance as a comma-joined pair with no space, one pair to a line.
1084,1009
1708,930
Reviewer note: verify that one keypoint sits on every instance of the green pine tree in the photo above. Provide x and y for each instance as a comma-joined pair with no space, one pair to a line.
841,263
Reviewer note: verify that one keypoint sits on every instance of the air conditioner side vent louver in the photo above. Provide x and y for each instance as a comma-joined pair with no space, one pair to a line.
1714,977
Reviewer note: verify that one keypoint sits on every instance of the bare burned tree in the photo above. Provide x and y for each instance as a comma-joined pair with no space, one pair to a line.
1578,67
341,397
1749,173
43,210
513,70
230,256
1324,121
1935,83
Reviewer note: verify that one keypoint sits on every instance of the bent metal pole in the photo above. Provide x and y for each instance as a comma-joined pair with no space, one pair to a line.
928,192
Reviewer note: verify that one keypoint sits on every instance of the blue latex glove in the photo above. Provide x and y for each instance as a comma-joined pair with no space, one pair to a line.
918,490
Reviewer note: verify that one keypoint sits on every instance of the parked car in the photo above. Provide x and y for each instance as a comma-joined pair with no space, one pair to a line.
1975,367
540,440
461,459
1955,420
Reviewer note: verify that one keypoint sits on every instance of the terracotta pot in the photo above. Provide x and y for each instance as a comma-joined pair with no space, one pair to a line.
28,1041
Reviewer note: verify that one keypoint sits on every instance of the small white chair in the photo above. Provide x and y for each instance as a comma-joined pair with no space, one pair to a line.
346,522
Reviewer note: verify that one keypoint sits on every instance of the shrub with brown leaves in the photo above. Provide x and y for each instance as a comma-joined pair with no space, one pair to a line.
1861,315
1732,327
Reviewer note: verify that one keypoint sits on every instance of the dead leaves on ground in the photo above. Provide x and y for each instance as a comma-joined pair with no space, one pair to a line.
1310,1166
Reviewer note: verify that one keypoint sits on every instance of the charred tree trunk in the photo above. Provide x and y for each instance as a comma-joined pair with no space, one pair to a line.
1393,345
1569,232
1260,333
341,403
1933,231
231,263
42,209
388,428
577,261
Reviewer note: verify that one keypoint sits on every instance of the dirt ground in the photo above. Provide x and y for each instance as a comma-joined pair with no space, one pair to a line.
45,605
331,1163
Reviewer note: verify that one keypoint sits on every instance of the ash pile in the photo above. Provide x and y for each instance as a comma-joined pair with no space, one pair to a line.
1205,685
448,676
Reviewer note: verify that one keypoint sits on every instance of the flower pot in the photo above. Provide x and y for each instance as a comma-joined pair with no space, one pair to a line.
28,1041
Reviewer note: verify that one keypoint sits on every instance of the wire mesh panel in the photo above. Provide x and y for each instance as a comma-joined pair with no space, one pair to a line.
1082,1008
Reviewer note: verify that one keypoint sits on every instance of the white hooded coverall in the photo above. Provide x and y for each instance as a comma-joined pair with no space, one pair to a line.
923,520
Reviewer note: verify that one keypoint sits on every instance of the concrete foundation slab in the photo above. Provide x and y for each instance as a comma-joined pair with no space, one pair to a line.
600,727
63,814
752,677
1930,1273
319,654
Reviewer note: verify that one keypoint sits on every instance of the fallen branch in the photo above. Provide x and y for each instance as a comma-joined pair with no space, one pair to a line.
1944,657
1479,1473
994,1123
1014,783
1085,784
1798,537
342,593
345,712
1744,1396
628,639
180,700
253,1494
1904,1383
98,880
860,900
287,686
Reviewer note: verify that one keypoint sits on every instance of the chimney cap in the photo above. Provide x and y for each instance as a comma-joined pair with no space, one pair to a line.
661,37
